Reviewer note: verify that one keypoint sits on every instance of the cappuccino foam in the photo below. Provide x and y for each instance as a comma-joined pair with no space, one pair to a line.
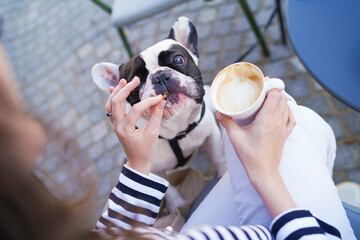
238,88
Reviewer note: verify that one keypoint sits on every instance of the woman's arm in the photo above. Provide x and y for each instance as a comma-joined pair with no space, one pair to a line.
134,201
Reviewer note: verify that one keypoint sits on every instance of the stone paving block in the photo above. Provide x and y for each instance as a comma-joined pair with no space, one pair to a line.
254,5
276,69
353,121
255,56
105,164
196,5
214,3
97,98
233,42
240,24
191,15
111,141
104,188
208,63
85,50
103,49
69,118
96,150
229,58
84,140
77,42
268,3
228,11
279,51
99,39
203,30
319,104
150,28
82,107
147,42
317,86
207,15
166,24
63,108
179,9
212,45
222,28
336,125
298,88
337,178
346,157
208,78
96,115
297,66
88,63
338,104
56,100
99,130
83,123
354,176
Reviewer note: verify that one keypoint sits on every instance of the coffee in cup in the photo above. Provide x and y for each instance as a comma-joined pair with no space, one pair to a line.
239,91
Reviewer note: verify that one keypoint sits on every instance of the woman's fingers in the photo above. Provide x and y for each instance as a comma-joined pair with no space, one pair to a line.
282,111
136,110
113,92
270,105
118,101
291,123
153,126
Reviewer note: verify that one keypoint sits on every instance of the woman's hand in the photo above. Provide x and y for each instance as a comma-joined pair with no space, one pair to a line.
139,144
259,146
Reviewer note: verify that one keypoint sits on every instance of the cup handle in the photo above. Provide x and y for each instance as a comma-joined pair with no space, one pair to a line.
274,83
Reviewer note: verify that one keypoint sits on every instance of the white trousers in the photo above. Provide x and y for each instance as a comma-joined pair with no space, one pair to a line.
306,168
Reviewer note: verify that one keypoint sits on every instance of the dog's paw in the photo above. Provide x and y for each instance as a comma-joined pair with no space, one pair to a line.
175,203
221,169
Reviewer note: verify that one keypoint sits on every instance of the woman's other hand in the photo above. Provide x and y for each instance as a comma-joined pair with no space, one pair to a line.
259,146
139,144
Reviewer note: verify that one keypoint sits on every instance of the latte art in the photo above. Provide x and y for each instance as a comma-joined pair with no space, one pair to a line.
238,88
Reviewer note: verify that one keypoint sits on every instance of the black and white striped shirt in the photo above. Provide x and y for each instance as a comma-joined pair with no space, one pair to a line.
135,203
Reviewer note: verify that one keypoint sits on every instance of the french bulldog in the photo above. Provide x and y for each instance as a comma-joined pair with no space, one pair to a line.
170,67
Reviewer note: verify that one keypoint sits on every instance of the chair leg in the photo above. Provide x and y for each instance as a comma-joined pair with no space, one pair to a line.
254,26
125,41
278,6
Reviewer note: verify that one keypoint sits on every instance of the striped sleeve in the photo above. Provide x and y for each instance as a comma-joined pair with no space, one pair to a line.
297,223
134,201
245,232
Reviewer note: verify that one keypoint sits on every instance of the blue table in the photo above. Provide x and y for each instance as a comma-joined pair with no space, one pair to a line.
326,37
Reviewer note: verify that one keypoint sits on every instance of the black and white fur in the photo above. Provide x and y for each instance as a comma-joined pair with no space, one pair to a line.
170,66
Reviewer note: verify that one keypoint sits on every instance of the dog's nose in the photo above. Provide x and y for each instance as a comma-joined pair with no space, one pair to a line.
161,78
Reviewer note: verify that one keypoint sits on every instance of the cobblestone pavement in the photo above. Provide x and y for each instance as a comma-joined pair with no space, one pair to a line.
53,45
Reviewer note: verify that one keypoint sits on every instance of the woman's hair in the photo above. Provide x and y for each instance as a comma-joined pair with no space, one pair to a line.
27,209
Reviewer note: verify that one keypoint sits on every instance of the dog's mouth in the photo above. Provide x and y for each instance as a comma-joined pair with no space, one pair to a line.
174,101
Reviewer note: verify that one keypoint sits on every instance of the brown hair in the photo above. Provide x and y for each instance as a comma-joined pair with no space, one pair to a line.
27,209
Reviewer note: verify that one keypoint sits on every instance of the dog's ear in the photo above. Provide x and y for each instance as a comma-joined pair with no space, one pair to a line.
184,32
105,75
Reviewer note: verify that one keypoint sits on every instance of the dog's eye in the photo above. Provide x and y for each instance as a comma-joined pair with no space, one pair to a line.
178,59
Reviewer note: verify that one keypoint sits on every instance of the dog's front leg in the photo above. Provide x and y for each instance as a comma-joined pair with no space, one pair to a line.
214,149
172,196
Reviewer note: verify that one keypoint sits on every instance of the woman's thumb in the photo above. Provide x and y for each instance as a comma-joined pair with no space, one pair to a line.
227,122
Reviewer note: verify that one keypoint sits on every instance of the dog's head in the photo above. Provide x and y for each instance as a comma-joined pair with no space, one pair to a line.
169,66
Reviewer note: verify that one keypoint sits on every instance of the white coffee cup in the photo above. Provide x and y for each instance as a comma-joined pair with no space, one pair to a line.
239,91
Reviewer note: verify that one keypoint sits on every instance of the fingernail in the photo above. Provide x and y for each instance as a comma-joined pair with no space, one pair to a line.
162,103
219,116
